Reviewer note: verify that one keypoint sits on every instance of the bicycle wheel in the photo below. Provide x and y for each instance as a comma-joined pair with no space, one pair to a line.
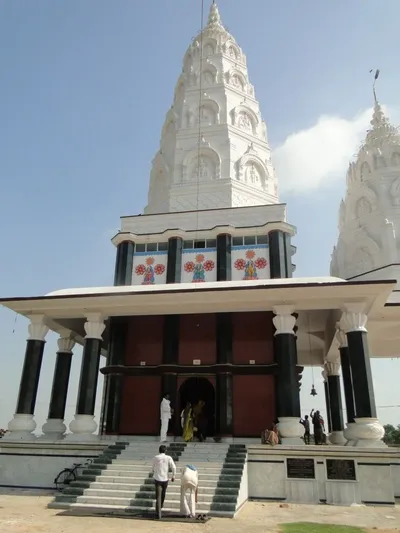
64,478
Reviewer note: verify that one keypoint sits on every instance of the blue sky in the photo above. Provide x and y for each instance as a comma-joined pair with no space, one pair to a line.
85,88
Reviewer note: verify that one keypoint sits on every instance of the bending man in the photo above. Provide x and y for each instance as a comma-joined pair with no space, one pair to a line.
189,487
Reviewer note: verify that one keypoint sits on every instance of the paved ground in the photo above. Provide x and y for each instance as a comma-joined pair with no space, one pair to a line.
26,512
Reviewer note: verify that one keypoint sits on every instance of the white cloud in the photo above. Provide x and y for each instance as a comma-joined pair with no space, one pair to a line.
312,157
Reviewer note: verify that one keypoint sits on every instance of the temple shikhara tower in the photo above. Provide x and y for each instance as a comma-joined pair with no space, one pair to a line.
368,246
204,307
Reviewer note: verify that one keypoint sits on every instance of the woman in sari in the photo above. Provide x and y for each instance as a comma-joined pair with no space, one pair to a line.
187,423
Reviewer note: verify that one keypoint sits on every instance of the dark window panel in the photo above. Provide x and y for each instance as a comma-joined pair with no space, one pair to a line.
140,248
249,240
237,241
152,247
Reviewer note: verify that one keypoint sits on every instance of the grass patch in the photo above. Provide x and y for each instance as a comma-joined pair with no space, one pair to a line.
310,527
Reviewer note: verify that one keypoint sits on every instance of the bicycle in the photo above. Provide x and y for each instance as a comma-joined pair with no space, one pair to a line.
68,475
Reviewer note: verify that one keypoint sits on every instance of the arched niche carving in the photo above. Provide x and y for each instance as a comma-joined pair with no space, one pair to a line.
395,159
208,113
210,74
362,203
236,79
244,118
252,170
363,207
232,50
365,170
379,161
209,47
395,192
203,164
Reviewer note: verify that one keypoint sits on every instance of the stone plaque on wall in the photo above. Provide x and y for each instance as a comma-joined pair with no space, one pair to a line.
300,468
341,469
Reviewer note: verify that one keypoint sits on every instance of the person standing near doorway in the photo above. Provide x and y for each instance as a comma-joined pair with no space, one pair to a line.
162,464
318,425
165,415
189,491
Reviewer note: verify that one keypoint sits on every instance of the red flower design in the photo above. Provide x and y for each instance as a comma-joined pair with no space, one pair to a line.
159,269
240,264
189,266
260,263
140,270
208,265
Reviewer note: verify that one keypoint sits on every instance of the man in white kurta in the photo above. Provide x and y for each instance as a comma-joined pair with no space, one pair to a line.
189,487
165,415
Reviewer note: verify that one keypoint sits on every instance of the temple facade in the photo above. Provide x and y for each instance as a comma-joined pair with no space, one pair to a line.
204,304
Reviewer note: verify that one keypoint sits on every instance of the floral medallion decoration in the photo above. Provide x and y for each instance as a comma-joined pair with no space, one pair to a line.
199,267
149,271
250,265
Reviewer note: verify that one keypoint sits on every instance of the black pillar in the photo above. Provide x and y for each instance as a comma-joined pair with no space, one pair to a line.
30,377
59,389
224,382
224,259
170,356
113,382
224,414
328,405
335,397
287,386
89,376
280,254
174,261
364,398
124,263
347,383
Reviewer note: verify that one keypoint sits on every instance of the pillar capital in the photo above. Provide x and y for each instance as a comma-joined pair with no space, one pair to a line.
38,328
332,368
324,374
341,336
284,321
354,317
66,342
94,326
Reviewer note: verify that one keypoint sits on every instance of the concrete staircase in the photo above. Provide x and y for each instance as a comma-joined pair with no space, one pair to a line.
120,480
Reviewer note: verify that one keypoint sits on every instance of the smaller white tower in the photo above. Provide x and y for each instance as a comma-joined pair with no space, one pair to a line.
368,245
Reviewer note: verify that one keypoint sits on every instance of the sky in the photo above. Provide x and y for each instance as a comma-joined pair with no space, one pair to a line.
85,87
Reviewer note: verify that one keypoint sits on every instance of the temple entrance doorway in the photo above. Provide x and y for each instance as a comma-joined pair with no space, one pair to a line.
195,389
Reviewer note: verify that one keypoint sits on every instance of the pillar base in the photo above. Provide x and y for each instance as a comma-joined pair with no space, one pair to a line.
54,429
337,438
290,431
348,434
21,427
368,433
82,429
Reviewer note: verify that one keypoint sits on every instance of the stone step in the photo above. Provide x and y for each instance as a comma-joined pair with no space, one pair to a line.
141,487
173,495
144,472
144,503
124,510
206,482
145,467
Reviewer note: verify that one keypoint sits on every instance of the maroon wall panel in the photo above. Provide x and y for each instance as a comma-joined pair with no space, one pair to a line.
145,340
140,409
252,338
253,405
197,339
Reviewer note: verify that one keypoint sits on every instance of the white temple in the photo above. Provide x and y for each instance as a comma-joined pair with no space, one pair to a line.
368,245
214,151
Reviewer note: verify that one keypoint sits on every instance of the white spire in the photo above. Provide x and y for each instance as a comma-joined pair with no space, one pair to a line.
214,151
369,223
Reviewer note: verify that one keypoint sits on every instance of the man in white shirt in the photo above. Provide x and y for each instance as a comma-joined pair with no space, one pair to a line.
162,464
165,415
189,487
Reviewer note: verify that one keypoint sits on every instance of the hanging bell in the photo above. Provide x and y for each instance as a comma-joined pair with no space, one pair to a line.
313,391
